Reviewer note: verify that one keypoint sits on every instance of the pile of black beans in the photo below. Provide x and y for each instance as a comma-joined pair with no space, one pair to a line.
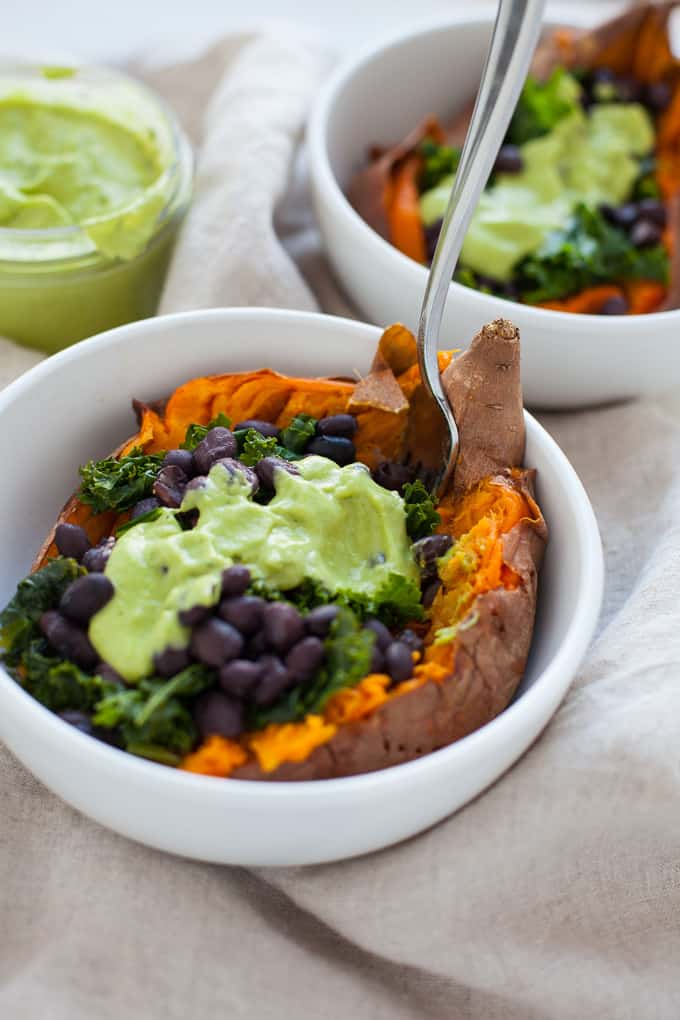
260,650
65,627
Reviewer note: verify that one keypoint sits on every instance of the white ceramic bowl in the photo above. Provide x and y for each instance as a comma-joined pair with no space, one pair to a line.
77,406
568,360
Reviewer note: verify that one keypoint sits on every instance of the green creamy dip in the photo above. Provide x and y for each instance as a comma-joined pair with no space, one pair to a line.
60,166
332,524
590,159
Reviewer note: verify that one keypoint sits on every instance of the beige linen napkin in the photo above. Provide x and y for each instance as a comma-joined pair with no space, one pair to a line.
555,896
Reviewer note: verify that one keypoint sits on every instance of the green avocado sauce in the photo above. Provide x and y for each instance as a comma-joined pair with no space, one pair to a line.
332,524
61,166
590,159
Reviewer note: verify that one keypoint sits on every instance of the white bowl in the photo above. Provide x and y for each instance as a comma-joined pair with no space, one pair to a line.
567,360
77,406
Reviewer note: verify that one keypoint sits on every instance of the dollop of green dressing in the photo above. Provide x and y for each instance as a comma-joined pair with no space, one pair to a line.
61,166
590,159
333,524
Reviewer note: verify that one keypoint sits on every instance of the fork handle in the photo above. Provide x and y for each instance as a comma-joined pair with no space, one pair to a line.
515,34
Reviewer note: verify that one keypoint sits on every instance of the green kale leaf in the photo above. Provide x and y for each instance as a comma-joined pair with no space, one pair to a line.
439,161
587,252
542,105
34,595
151,718
150,515
348,660
57,683
421,517
195,433
298,433
253,446
396,601
117,484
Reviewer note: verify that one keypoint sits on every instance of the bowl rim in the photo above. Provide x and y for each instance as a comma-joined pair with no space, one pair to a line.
512,721
326,182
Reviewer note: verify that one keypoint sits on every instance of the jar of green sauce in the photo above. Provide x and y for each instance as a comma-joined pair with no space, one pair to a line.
95,178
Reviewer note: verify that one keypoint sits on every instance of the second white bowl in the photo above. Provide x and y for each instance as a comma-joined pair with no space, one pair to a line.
567,360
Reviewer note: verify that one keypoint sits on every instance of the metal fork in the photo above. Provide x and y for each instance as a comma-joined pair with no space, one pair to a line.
515,34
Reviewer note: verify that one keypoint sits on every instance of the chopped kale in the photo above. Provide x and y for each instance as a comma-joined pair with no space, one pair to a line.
439,161
542,105
298,433
196,433
57,683
348,660
421,517
34,595
151,718
587,252
150,515
117,484
253,446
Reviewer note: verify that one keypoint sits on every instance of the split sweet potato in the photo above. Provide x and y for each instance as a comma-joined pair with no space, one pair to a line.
480,624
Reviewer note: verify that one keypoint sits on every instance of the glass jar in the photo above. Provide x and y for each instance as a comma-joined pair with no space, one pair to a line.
62,283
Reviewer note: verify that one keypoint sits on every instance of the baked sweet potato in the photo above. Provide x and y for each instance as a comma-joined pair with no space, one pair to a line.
478,628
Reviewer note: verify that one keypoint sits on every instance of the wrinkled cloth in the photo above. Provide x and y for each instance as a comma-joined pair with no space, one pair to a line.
554,896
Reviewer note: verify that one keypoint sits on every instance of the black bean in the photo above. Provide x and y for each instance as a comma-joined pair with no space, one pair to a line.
344,425
411,639
86,596
218,443
183,459
265,428
243,612
171,661
109,674
383,637
337,449
429,592
282,625
318,621
256,645
652,209
199,482
267,467
509,160
616,305
657,96
77,719
95,559
194,615
393,476
398,661
377,660
217,714
428,550
216,642
68,640
623,216
72,540
240,677
144,507
235,580
170,485
305,657
645,234
629,90
234,467
274,680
